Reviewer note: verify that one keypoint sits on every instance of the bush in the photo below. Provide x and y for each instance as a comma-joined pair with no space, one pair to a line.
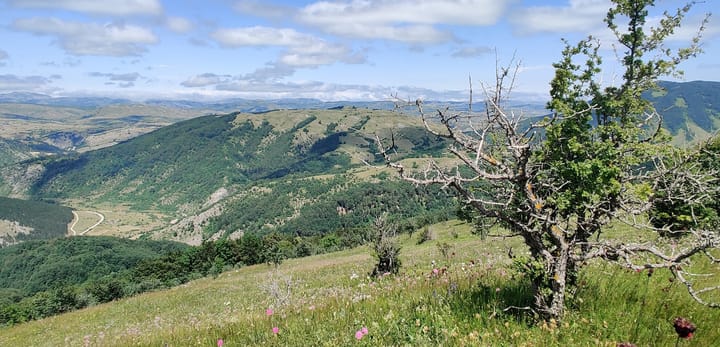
386,248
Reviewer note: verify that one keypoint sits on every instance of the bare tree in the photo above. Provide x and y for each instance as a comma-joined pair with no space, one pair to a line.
600,158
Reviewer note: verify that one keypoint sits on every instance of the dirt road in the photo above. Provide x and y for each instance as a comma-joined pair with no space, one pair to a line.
101,218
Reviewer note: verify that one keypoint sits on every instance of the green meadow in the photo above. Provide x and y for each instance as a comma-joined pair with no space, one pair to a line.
453,290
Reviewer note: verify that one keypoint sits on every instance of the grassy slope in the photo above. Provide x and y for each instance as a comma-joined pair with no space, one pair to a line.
327,305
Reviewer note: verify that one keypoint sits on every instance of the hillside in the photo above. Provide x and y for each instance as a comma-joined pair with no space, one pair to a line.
326,299
22,220
219,175
39,126
690,110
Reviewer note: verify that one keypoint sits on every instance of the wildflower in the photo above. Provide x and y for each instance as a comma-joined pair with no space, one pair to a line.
626,344
359,335
275,330
364,330
269,312
220,342
684,328
435,271
354,276
311,308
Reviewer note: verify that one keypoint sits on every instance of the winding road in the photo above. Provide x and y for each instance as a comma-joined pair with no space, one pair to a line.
101,218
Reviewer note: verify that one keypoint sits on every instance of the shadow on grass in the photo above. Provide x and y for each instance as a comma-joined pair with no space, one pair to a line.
511,299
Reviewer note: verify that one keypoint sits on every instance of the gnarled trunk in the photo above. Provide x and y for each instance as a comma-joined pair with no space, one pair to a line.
550,289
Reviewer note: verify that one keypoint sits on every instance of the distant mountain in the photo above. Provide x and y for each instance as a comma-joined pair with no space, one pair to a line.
243,105
42,99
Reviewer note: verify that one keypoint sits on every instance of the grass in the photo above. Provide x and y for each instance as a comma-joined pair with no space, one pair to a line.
325,300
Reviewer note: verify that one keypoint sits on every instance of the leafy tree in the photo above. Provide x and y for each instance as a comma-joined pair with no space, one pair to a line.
597,160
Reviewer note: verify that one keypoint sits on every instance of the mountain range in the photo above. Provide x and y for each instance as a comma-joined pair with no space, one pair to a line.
198,173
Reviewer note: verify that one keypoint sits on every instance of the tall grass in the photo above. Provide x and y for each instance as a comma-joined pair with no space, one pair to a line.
458,300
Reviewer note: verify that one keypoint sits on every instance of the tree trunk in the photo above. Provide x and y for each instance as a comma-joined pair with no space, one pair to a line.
550,289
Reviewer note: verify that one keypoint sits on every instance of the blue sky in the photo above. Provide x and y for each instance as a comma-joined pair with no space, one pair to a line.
331,50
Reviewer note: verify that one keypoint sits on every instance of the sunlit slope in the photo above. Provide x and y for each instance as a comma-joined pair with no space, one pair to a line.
452,290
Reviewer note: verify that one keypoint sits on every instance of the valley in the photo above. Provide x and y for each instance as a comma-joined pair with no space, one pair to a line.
179,170
242,189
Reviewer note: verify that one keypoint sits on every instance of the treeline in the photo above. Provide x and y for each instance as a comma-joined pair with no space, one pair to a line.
45,278
47,220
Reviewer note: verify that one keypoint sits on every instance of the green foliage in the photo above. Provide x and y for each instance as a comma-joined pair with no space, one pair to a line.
48,220
35,266
329,205
53,276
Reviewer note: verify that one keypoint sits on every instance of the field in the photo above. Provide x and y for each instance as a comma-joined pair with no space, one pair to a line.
328,300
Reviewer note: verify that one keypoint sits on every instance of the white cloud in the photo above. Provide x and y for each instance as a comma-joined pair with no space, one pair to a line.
400,20
23,83
329,91
178,24
125,80
126,77
302,50
114,7
204,80
578,16
90,38
261,36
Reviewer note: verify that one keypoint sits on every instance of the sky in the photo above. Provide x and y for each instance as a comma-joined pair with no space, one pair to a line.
328,50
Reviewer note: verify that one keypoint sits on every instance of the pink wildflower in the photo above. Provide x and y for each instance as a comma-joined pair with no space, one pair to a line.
269,312
275,330
220,342
436,271
364,330
359,335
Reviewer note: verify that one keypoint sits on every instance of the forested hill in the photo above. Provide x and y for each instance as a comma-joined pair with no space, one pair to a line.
186,162
295,171
690,110
22,220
